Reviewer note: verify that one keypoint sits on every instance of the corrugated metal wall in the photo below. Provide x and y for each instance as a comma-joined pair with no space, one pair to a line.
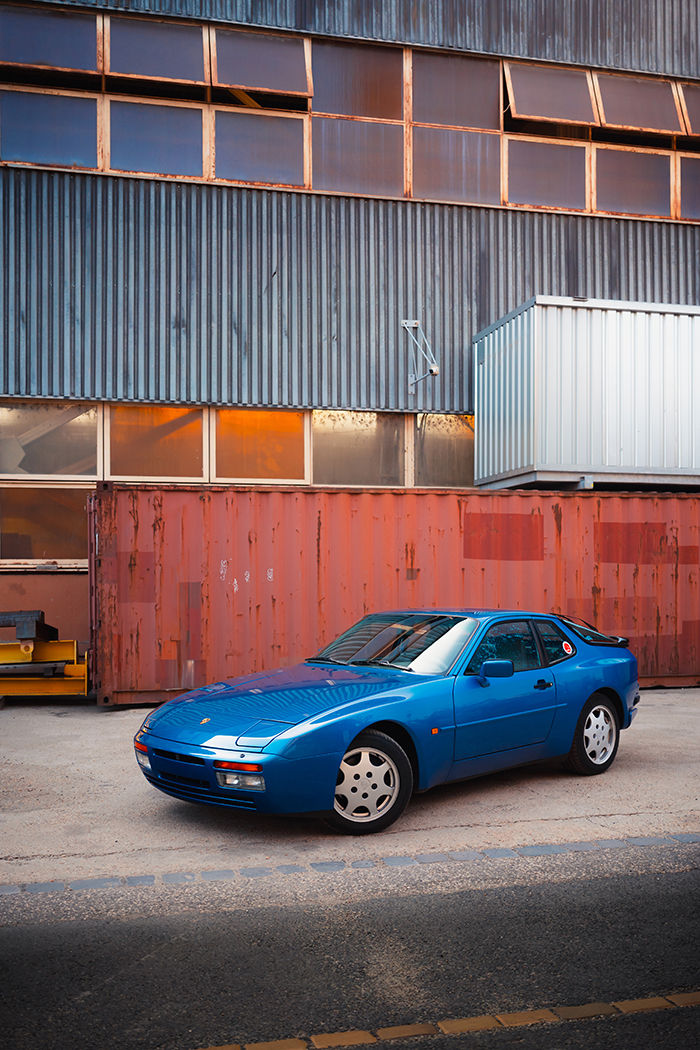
120,288
193,585
661,36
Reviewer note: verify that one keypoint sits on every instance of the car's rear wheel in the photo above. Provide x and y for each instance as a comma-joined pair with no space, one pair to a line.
596,738
373,786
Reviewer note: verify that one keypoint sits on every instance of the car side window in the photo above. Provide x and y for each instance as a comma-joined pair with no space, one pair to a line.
556,645
512,640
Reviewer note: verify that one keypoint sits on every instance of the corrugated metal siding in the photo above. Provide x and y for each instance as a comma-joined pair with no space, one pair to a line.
193,585
604,389
121,288
661,36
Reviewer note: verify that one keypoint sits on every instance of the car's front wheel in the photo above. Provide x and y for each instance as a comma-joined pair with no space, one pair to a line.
373,786
596,738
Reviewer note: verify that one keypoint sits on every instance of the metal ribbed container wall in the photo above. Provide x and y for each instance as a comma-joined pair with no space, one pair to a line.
141,290
606,391
194,585
660,36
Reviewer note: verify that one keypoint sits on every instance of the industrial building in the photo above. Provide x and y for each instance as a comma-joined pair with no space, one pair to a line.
246,249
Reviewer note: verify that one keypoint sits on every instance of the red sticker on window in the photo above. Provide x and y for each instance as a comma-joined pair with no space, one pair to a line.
568,648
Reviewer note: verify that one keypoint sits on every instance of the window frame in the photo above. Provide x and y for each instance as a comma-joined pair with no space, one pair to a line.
99,42
541,662
588,174
253,30
604,123
546,662
57,479
674,178
138,479
305,119
680,86
217,479
511,94
124,16
99,126
10,565
207,136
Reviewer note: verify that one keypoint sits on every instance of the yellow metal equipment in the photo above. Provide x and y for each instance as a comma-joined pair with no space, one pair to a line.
37,663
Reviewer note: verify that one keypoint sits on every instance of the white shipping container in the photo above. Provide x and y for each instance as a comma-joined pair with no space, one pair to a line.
587,391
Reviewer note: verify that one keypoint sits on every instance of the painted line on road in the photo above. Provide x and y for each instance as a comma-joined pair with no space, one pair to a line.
480,1023
334,867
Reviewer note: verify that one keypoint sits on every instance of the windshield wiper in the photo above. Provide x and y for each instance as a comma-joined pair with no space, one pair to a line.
325,660
378,663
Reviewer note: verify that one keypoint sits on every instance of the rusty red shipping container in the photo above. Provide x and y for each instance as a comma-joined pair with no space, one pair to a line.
191,585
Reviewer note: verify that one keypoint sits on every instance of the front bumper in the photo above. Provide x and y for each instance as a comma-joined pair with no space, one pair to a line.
291,786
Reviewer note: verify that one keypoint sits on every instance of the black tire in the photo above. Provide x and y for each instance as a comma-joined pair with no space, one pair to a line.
596,738
374,784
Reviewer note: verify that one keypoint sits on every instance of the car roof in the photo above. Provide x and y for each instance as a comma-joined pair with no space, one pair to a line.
479,614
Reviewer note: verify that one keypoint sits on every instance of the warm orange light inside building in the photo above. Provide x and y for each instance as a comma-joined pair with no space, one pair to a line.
260,444
156,441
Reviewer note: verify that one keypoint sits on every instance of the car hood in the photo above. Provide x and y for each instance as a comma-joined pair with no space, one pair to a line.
250,712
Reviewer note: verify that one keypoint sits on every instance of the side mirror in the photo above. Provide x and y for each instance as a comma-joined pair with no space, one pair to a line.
494,669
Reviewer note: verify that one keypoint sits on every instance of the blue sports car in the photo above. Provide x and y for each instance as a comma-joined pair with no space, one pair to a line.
398,703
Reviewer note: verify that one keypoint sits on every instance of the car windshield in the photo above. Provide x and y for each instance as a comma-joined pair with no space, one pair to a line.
428,643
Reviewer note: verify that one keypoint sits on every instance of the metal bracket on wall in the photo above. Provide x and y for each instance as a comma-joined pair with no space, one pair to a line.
420,345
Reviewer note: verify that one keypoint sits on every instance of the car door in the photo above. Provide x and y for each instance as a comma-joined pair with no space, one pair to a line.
506,713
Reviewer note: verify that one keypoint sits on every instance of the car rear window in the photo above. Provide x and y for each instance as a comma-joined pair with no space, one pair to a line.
593,637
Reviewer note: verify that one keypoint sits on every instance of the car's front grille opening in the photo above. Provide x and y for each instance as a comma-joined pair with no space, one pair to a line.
185,780
178,758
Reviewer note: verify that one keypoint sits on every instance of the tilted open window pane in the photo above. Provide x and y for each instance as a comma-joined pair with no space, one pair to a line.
633,102
156,49
633,183
544,93
252,148
156,441
165,140
260,444
255,60
48,439
358,157
690,187
456,90
691,94
540,173
444,451
32,37
43,524
462,166
357,80
358,448
48,129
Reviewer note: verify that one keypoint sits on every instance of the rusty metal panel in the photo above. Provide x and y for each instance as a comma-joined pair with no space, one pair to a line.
567,388
646,35
192,585
145,290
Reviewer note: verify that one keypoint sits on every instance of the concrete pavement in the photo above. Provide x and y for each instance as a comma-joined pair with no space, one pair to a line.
75,805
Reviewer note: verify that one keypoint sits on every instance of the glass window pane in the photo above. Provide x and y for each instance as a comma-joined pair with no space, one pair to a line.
255,60
542,174
357,80
358,448
632,102
47,38
43,523
634,183
156,442
48,439
164,140
556,645
444,451
507,641
551,94
156,49
256,443
358,157
690,187
453,89
48,129
691,94
253,148
456,166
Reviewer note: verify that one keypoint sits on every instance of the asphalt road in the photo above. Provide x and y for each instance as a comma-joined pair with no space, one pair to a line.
241,961
130,920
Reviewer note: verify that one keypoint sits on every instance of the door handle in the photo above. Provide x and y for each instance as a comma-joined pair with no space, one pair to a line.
541,684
